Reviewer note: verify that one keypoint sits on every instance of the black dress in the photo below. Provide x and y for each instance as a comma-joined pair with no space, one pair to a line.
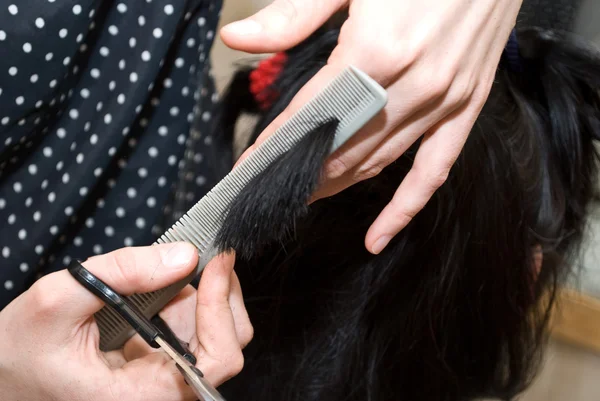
103,113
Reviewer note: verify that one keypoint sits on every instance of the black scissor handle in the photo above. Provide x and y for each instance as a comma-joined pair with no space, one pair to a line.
119,304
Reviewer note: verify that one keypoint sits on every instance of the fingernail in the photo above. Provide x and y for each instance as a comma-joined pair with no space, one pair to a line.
179,256
245,27
381,243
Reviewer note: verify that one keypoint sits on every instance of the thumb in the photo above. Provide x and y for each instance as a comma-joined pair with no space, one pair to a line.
127,271
279,26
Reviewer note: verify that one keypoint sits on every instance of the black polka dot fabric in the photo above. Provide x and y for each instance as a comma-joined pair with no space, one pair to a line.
103,112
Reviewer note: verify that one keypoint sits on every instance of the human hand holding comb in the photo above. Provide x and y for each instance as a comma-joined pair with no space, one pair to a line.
436,59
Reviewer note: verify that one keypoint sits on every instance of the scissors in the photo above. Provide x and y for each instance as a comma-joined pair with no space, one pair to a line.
155,332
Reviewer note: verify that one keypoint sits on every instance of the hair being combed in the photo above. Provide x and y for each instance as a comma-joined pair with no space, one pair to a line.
454,308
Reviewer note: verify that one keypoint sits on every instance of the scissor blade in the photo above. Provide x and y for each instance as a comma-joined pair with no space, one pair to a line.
201,387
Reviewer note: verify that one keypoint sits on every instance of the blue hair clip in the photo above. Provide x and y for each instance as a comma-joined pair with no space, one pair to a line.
511,53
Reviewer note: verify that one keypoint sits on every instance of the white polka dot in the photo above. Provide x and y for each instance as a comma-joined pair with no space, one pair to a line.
27,47
13,9
38,104
207,140
85,93
66,61
39,249
61,133
128,241
107,119
179,62
20,100
74,114
6,252
140,222
66,260
5,120
109,231
24,267
131,193
201,21
87,126
32,169
79,38
44,184
153,152
2,35
104,51
112,151
47,151
51,197
144,122
146,55
77,241
68,210
97,249
52,83
13,71
191,42
79,158
49,56
76,9
34,78
39,22
11,219
37,216
65,178
83,48
113,30
122,8
28,201
162,181
157,32
2,203
83,191
209,35
174,111
133,77
91,14
172,160
112,85
185,91
18,187
59,165
63,33
163,131
22,234
151,202
93,139
121,99
120,212
95,73
89,222
181,139
168,82
98,172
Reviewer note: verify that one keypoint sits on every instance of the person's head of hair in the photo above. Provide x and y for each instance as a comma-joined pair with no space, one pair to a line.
456,307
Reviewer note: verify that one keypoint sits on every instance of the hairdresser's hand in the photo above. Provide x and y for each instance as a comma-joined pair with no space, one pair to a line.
436,58
49,347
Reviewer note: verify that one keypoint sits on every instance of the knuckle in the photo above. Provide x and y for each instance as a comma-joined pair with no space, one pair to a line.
368,171
461,92
45,295
235,364
335,168
246,334
124,266
437,177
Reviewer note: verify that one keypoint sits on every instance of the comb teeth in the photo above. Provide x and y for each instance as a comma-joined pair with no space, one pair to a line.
352,98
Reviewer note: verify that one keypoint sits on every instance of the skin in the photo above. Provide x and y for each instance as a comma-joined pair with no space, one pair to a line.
436,59
49,337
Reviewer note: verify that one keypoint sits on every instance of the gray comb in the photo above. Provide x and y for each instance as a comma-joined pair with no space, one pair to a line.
353,98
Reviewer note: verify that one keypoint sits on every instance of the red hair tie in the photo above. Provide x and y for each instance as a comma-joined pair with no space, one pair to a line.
263,77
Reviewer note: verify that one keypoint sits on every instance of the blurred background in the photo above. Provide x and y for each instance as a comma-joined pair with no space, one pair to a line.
571,370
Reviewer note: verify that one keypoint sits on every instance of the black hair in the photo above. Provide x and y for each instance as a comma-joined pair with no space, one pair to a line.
454,308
